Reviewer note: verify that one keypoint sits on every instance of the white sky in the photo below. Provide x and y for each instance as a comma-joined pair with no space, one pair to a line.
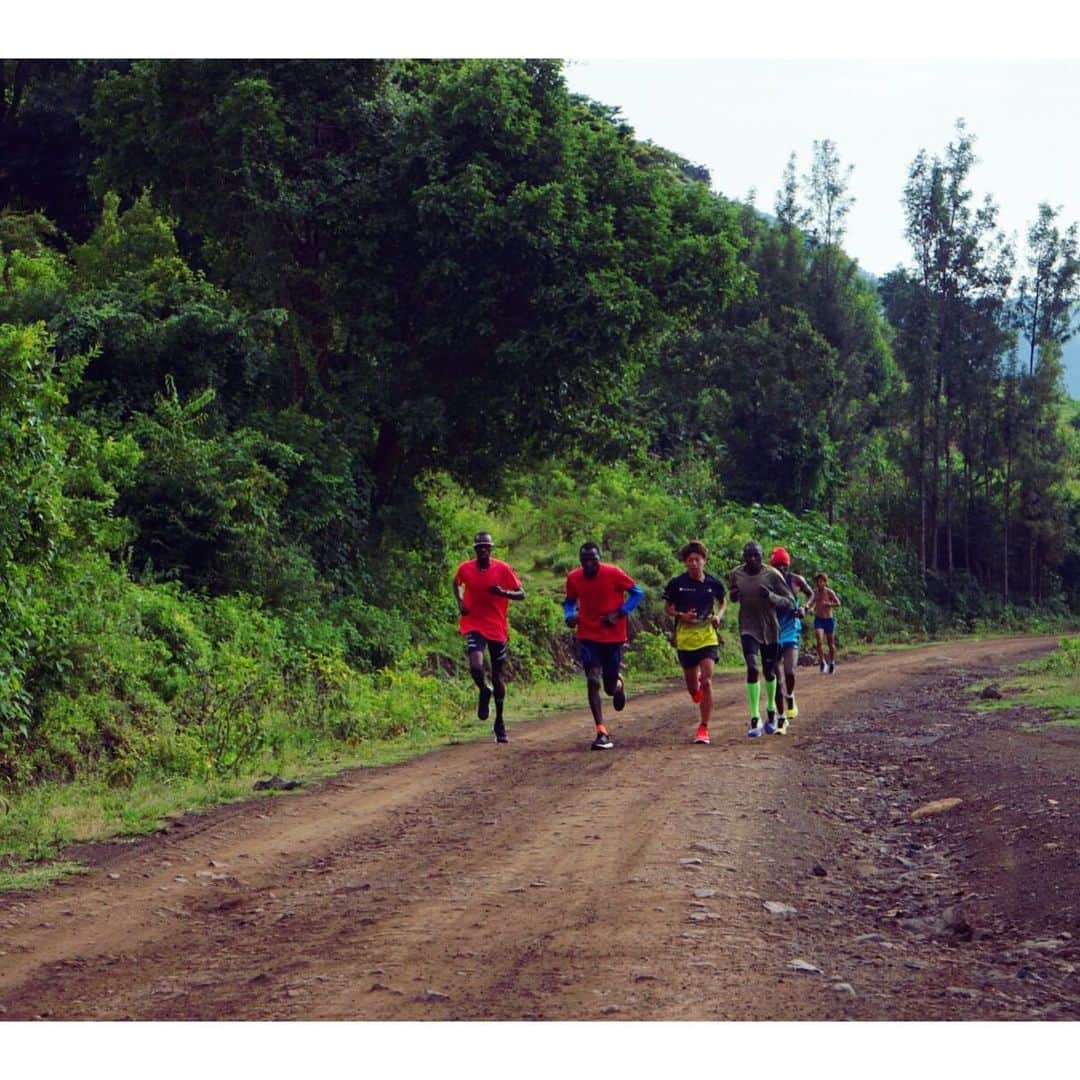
734,87
743,118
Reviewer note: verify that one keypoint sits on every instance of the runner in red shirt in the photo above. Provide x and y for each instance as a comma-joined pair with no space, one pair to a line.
483,588
599,596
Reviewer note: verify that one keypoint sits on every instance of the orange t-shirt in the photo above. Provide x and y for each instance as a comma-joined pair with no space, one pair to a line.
487,612
596,596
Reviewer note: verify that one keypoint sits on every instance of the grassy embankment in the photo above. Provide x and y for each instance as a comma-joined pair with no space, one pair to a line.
1051,685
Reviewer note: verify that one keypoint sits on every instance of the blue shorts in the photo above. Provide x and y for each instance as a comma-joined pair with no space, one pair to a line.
605,656
828,625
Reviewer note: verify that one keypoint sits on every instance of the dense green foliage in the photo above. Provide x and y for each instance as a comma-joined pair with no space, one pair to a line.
277,337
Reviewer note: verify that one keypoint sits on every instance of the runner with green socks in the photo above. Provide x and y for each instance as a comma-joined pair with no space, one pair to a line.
759,591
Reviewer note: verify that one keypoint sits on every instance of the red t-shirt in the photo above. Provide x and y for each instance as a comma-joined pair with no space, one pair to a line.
597,596
487,612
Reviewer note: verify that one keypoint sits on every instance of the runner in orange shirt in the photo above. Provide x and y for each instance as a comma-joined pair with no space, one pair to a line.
483,588
599,596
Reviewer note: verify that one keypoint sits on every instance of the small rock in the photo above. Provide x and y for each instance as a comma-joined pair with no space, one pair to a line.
710,849
870,937
991,693
432,995
819,870
1046,945
774,907
938,806
275,783
704,894
843,988
537,884
610,1010
804,966
961,991
691,862
114,876
953,924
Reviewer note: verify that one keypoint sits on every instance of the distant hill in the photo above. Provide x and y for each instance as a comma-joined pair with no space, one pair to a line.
1071,359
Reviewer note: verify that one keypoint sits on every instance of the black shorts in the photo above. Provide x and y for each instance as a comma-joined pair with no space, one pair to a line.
475,642
751,647
605,655
689,658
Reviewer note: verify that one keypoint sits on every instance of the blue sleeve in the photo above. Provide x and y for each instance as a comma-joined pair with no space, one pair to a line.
569,608
637,594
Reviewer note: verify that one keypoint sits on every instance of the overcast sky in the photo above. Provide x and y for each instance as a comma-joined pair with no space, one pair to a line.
734,87
743,118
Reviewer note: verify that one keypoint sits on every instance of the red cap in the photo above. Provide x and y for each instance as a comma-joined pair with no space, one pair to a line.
780,557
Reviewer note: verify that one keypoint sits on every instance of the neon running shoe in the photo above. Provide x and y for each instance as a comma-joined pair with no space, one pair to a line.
792,709
500,732
483,706
702,736
832,668
602,742
618,699
782,725
754,730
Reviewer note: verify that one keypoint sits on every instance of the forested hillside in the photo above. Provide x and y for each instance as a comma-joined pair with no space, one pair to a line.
277,337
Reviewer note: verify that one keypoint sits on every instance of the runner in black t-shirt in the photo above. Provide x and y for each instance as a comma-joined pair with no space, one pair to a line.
690,599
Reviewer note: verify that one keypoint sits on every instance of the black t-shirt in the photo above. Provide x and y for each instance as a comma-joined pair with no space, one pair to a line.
690,595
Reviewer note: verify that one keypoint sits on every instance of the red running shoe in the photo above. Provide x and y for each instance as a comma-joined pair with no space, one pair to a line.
702,736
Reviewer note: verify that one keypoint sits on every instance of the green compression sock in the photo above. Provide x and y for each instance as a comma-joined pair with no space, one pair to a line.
770,694
753,695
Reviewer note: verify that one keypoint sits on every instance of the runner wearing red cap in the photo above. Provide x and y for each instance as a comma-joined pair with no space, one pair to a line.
790,629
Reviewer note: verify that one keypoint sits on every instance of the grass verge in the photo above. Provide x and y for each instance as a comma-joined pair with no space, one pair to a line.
1050,684
39,823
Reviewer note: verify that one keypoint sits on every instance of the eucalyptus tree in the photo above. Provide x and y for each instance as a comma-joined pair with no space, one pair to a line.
962,268
1050,290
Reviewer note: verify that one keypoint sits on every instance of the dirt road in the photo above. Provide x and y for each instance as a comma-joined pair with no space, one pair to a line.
773,878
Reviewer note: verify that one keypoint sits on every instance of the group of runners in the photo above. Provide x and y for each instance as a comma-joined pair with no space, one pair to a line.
772,599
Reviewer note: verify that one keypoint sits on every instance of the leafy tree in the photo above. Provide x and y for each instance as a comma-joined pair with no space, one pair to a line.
46,155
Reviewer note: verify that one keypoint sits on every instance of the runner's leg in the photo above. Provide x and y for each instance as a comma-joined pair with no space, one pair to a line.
705,705
768,660
498,679
751,648
475,647
791,667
